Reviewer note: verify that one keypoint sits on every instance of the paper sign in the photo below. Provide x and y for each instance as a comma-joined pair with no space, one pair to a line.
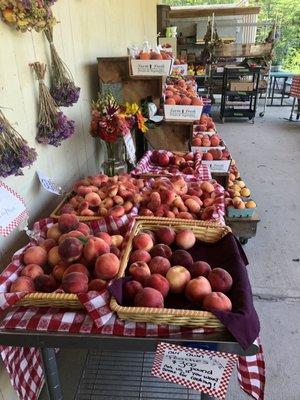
202,370
130,148
48,184
12,210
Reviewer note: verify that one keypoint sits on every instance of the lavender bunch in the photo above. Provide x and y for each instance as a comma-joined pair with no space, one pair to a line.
53,125
63,89
15,153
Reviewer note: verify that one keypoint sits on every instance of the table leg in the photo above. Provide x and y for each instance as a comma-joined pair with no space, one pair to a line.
273,90
283,91
51,373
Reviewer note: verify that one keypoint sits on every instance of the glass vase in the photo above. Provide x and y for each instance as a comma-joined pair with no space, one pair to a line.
115,163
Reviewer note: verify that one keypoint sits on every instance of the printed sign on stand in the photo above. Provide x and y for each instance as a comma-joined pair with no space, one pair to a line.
48,184
130,148
12,210
202,370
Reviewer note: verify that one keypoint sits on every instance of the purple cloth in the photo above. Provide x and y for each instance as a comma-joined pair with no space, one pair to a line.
242,322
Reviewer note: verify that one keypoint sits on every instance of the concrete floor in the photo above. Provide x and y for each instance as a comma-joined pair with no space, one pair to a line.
268,155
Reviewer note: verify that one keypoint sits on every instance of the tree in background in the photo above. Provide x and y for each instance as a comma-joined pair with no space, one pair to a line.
287,15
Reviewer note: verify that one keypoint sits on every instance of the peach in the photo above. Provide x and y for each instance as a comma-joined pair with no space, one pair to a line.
45,283
183,258
97,285
159,265
140,255
32,271
163,160
158,282
127,206
67,223
114,250
185,215
35,255
208,202
70,234
53,256
142,241
178,277
70,249
197,142
200,268
165,235
206,143
196,289
220,280
207,187
75,282
139,271
149,297
53,232
170,101
47,244
192,205
185,239
117,212
216,153
217,301
207,156
93,199
107,266
130,289
83,228
104,236
117,240
77,268
59,270
161,250
22,284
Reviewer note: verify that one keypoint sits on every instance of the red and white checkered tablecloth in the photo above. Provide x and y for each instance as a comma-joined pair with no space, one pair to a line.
295,87
24,364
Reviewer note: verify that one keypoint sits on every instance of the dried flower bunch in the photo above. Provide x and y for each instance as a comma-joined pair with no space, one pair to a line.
15,153
63,89
53,125
27,15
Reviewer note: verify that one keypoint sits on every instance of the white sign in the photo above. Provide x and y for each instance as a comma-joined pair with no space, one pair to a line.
48,184
12,210
130,148
202,370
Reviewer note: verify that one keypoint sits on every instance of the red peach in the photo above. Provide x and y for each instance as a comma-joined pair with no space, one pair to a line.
159,265
196,289
217,301
207,157
77,268
97,285
167,196
163,160
149,297
93,199
75,282
35,255
117,211
70,249
84,228
158,282
107,266
161,250
114,250
67,223
183,258
140,255
22,284
53,256
47,244
220,280
130,289
139,271
32,271
185,239
76,234
53,232
165,235
142,241
104,236
45,283
178,277
59,270
192,205
200,268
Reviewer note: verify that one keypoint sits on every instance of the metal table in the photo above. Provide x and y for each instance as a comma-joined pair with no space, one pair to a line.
48,341
274,83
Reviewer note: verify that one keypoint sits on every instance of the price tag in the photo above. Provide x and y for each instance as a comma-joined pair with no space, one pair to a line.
202,370
49,185
12,210
130,148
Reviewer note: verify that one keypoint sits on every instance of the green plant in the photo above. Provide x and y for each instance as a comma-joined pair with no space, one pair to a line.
292,61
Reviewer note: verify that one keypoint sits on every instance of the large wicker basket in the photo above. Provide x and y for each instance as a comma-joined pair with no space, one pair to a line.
206,232
57,300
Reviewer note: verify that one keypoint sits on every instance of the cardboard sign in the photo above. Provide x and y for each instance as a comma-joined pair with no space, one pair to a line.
180,112
130,148
151,67
202,370
12,210
48,184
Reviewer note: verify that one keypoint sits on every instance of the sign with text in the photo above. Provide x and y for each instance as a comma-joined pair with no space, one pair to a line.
48,184
130,148
12,210
202,370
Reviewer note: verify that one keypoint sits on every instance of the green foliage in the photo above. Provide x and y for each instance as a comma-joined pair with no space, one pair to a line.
292,61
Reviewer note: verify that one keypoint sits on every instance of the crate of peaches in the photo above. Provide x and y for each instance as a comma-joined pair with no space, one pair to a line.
163,284
166,163
96,197
205,124
68,261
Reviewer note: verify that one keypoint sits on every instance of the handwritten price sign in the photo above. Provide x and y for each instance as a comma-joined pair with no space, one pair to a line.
202,370
12,210
130,148
48,184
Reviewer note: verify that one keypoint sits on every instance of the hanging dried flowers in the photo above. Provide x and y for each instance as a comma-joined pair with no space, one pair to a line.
63,89
53,125
27,15
15,153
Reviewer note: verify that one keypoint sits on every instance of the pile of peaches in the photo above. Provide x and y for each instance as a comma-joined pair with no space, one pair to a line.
182,92
174,163
155,55
70,258
160,264
205,124
175,198
215,154
238,194
101,195
201,139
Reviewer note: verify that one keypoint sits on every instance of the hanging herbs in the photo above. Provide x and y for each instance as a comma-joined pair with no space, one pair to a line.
27,15
15,153
63,89
53,125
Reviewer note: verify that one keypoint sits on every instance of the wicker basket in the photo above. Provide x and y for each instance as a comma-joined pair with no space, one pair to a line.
207,232
57,300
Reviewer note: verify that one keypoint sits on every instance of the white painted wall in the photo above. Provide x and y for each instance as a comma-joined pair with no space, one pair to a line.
88,29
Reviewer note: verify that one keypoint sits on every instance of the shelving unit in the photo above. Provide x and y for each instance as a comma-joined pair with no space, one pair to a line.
249,97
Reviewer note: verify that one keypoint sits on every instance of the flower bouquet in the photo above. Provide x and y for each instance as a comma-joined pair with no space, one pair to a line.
15,153
53,125
27,15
